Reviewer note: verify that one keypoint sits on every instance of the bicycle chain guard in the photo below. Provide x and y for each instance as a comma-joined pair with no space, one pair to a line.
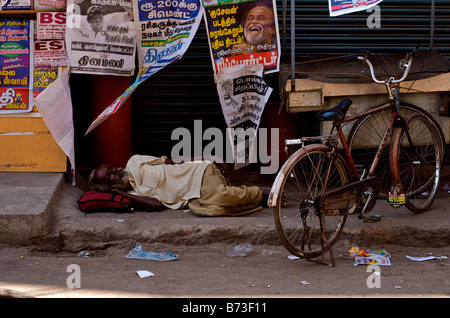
353,198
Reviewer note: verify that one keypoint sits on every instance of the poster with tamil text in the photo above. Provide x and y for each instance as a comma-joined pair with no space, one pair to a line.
101,37
16,51
243,33
340,7
166,29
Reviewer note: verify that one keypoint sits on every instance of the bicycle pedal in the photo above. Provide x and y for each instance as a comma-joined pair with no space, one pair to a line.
372,219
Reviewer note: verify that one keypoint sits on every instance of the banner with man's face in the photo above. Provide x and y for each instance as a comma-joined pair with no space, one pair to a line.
243,32
102,38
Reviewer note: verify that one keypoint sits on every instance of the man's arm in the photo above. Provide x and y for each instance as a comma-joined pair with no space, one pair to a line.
148,204
219,162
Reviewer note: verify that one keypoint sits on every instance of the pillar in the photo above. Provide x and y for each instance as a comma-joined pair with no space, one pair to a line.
112,139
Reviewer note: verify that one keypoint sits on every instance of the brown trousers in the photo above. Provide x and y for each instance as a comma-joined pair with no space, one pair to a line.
219,198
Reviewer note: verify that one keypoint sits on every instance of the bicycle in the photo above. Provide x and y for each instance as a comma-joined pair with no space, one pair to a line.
320,184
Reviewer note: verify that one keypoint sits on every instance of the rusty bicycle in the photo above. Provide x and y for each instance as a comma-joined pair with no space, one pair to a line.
393,151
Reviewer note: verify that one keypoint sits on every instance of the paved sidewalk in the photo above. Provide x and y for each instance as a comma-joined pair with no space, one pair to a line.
41,209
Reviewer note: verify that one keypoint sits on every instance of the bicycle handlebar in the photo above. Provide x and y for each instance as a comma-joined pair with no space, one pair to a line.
406,65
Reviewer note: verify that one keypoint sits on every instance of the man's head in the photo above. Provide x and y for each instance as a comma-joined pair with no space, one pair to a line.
259,26
94,17
105,178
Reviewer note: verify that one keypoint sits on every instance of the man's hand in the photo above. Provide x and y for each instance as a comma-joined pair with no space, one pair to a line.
148,204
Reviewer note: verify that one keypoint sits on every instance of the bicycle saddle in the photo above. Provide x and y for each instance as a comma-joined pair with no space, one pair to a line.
336,113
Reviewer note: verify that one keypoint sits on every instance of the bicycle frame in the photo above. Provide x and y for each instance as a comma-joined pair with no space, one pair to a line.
394,103
338,126
322,182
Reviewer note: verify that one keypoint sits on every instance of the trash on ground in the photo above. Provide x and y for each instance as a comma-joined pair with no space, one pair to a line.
372,219
372,260
304,282
293,257
356,251
270,252
144,273
368,257
421,259
84,254
138,253
240,250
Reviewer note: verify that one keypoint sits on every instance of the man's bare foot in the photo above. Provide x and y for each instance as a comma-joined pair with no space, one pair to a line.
265,197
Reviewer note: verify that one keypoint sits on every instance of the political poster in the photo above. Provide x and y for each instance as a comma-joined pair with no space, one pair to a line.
16,68
166,29
42,78
50,53
15,5
144,73
51,25
243,33
55,107
45,4
340,7
101,37
243,94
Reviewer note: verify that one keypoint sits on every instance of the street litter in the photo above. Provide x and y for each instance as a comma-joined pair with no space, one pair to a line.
138,253
270,252
239,250
421,259
84,254
304,282
293,257
367,257
372,260
144,273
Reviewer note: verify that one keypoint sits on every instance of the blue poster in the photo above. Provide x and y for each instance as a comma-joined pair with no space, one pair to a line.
15,67
166,29
339,7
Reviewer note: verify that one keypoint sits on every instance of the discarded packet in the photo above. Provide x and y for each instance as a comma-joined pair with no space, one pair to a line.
421,259
372,260
138,253
144,273
376,257
356,251
239,250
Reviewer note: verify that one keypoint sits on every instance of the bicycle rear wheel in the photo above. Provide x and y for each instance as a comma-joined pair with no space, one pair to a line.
367,133
417,165
302,183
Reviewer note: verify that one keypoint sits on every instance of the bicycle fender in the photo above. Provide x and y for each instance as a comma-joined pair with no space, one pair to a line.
276,186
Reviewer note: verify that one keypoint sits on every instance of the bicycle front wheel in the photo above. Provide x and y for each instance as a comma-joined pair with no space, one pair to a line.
302,181
416,163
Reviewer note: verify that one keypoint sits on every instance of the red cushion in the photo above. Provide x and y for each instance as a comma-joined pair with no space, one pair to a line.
94,201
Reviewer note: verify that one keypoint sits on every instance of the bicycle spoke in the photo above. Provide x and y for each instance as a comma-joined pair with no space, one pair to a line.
417,161
297,220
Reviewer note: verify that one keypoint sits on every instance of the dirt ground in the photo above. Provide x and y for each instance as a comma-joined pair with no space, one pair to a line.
206,271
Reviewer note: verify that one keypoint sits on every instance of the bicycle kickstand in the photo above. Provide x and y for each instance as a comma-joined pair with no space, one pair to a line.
325,242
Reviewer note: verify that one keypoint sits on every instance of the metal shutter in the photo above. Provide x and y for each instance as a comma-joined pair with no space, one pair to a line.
174,97
185,91
404,24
